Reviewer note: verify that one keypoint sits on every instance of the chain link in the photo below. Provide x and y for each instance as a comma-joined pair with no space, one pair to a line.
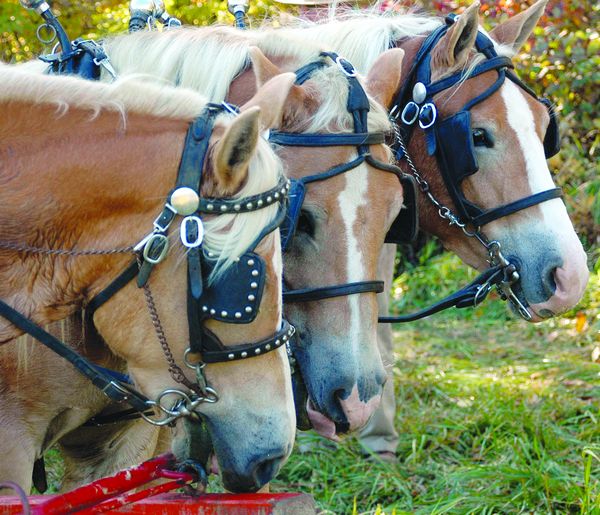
19,247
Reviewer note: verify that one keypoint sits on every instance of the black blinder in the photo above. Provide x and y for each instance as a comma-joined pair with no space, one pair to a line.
455,147
552,137
295,199
405,227
235,296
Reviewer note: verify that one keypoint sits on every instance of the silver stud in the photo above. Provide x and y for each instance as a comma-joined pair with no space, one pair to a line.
223,208
237,314
230,356
237,207
277,343
254,273
249,205
248,309
224,314
237,260
419,93
276,194
257,351
254,285
205,308
251,262
212,311
251,297
244,354
211,254
268,346
284,337
269,199
260,203
283,190
209,207
184,201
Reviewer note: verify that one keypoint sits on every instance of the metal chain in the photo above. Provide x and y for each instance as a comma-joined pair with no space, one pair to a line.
174,369
19,247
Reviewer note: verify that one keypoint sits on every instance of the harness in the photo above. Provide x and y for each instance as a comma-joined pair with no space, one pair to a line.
451,141
244,283
361,138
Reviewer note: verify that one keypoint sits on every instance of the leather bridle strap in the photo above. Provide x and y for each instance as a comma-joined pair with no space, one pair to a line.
330,292
469,296
111,387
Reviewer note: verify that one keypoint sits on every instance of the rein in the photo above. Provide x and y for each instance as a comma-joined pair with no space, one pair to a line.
451,141
184,201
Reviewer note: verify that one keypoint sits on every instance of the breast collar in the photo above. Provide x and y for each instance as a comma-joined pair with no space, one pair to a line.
361,138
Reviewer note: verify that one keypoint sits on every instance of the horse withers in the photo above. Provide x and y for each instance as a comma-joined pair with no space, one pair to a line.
86,168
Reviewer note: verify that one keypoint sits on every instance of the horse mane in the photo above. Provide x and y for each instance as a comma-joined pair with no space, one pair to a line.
226,236
362,35
208,59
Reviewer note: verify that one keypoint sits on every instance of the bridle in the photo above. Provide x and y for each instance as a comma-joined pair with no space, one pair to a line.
361,138
451,141
245,283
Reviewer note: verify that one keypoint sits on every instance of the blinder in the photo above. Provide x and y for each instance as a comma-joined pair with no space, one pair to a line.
552,136
405,227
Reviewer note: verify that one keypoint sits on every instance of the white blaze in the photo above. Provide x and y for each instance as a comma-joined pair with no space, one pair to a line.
351,199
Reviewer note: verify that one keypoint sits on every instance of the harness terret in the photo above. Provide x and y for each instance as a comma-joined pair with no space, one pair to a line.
233,298
361,138
451,141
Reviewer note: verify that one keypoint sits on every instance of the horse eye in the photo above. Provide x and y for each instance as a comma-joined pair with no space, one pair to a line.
482,138
306,223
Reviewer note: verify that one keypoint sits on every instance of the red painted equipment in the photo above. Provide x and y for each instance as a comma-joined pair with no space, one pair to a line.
113,494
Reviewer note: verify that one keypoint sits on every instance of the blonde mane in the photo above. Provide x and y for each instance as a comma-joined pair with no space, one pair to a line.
208,59
227,236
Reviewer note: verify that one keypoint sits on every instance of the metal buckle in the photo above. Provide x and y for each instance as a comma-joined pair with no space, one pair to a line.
433,115
158,239
410,105
346,66
183,232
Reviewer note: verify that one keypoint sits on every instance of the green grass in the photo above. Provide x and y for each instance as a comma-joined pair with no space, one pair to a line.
495,416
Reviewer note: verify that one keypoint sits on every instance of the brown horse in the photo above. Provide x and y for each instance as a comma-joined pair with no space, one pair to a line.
88,167
508,130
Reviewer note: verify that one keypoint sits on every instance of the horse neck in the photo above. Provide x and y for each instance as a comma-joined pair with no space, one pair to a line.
82,181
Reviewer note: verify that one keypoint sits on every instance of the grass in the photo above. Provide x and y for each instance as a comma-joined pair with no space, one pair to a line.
495,416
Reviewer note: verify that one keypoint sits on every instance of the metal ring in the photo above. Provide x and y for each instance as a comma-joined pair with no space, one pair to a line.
52,31
414,118
433,117
348,73
172,391
193,366
183,233
163,250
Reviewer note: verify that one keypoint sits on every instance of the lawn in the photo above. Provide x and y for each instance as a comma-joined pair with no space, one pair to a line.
495,415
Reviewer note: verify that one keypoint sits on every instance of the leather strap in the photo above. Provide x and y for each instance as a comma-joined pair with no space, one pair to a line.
329,292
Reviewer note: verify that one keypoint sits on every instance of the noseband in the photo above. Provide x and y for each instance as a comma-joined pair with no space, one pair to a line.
361,138
233,298
452,142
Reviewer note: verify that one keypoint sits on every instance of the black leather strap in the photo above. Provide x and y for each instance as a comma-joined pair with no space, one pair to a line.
469,296
109,386
307,139
329,292
119,283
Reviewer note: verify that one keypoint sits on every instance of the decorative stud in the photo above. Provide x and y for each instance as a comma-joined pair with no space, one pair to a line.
254,285
277,343
276,194
248,309
223,208
224,314
260,203
419,93
211,254
231,356
283,190
209,207
244,354
251,297
251,262
237,207
257,351
269,199
205,308
268,346
249,205
237,314
284,337
254,273
212,311
185,201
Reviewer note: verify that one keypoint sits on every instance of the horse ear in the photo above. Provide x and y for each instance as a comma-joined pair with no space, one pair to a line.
452,51
272,98
383,79
515,31
264,69
235,149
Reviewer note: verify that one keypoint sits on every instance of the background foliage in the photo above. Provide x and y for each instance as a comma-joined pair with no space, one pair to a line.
506,427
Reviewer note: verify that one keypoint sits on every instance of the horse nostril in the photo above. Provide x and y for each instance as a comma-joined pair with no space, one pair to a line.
266,470
549,281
